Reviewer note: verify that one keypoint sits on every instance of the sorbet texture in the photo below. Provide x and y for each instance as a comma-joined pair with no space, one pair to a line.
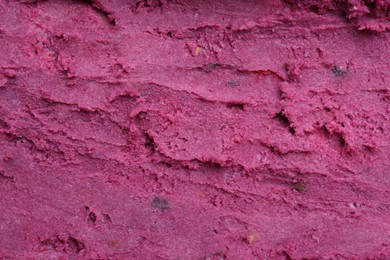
210,129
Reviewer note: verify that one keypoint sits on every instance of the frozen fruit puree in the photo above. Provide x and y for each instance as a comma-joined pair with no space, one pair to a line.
180,129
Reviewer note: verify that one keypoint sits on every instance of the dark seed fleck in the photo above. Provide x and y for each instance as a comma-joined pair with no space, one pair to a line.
232,84
160,203
210,67
92,216
337,71
299,186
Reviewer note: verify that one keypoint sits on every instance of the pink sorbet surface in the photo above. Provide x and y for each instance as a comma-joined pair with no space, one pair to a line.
183,129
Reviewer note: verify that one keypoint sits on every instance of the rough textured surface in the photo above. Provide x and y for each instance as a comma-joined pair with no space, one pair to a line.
216,129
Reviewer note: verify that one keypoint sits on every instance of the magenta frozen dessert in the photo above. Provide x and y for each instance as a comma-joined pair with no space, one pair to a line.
218,129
